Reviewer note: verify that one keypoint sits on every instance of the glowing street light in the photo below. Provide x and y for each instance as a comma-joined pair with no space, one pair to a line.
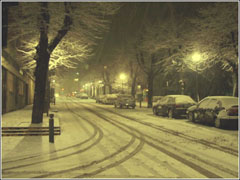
196,57
122,77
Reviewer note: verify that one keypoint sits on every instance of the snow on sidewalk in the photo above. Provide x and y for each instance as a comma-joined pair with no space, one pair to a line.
19,146
22,118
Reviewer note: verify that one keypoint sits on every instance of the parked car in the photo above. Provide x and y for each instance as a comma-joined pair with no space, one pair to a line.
82,96
100,98
173,105
125,100
109,98
220,111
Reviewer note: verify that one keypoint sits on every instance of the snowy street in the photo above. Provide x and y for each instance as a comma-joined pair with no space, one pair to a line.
100,141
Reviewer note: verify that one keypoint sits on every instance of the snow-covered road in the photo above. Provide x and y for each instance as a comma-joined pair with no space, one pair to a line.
103,142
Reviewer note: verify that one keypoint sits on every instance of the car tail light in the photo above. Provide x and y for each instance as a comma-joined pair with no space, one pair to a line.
233,111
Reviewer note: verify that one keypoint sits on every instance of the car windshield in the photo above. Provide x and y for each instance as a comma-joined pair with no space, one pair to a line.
184,99
228,102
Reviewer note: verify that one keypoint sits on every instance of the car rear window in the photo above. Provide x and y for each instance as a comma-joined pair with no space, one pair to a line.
228,102
184,99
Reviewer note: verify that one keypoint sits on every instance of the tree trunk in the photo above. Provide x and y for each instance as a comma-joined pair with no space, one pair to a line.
40,87
41,71
110,89
235,82
133,89
150,90
44,51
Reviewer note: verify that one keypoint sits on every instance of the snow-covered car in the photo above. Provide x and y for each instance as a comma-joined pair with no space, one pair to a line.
125,100
109,98
220,111
173,105
82,96
100,98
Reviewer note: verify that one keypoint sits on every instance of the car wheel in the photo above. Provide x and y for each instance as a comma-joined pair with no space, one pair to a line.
191,117
218,123
170,113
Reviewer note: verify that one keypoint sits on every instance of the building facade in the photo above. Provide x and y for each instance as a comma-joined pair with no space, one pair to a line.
17,85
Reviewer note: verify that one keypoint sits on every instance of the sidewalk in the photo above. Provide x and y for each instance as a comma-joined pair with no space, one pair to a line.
22,118
20,146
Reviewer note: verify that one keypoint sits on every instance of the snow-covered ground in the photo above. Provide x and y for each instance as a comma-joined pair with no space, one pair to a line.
99,141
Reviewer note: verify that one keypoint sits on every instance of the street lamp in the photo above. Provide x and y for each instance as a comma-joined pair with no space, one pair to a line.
122,77
196,57
77,83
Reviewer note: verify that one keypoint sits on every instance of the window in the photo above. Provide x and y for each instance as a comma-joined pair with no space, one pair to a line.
171,100
204,103
163,100
213,104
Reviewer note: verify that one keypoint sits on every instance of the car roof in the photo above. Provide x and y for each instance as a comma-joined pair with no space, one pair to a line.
177,95
221,97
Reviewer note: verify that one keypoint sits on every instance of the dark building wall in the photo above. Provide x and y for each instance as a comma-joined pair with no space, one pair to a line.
17,85
17,89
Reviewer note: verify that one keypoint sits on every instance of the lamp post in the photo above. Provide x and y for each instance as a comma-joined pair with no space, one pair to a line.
77,81
196,57
122,77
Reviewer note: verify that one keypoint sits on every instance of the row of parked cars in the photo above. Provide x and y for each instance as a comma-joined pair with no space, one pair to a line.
82,96
220,111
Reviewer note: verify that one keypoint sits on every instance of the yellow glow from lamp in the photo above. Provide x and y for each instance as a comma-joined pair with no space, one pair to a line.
122,76
196,57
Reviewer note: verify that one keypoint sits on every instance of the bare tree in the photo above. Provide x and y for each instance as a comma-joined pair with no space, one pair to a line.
66,31
215,35
159,45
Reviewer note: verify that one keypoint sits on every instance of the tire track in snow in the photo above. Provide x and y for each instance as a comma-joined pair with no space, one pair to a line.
95,162
155,173
152,142
94,135
98,139
227,170
122,149
179,134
